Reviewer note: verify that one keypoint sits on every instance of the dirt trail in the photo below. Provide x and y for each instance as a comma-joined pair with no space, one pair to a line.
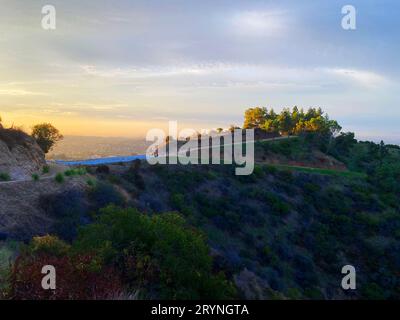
54,169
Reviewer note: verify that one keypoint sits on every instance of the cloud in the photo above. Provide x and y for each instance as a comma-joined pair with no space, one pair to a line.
259,23
58,112
20,92
153,71
237,75
359,77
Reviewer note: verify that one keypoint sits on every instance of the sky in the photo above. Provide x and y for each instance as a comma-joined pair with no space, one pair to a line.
120,68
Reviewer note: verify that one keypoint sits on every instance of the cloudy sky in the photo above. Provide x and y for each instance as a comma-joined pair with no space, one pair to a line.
118,68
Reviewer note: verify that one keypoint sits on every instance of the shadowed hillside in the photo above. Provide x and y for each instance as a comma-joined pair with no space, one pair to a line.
283,232
314,203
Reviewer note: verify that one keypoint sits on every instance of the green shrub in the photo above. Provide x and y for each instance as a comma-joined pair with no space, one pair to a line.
90,182
294,294
313,293
311,188
258,171
114,179
4,176
270,169
177,201
277,204
160,247
75,172
104,194
373,291
45,169
134,176
59,178
35,177
68,210
48,245
69,173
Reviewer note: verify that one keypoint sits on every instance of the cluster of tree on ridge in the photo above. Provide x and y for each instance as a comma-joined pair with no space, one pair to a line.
290,122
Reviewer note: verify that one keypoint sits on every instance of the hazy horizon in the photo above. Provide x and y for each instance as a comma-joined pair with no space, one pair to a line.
119,69
359,137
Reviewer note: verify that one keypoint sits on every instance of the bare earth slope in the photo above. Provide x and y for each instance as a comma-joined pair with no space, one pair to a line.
20,214
20,155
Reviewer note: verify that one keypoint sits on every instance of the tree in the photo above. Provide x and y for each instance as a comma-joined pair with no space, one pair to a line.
271,114
219,130
295,114
333,127
271,125
232,128
46,136
342,145
315,124
254,117
293,121
285,122
313,113
300,127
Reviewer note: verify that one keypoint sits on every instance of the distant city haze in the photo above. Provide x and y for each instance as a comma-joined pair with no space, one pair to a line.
120,68
80,147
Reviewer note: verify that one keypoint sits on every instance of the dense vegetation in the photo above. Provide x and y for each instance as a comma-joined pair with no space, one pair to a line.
194,232
122,252
289,122
294,230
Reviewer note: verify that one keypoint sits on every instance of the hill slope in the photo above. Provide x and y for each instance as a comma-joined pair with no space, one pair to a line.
283,232
20,155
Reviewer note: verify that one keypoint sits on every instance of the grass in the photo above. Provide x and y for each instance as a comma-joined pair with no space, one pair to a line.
343,173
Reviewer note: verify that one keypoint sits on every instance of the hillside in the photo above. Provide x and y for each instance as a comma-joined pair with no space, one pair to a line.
21,215
20,156
283,232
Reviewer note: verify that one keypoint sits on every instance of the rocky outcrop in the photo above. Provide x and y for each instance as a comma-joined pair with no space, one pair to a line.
20,155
